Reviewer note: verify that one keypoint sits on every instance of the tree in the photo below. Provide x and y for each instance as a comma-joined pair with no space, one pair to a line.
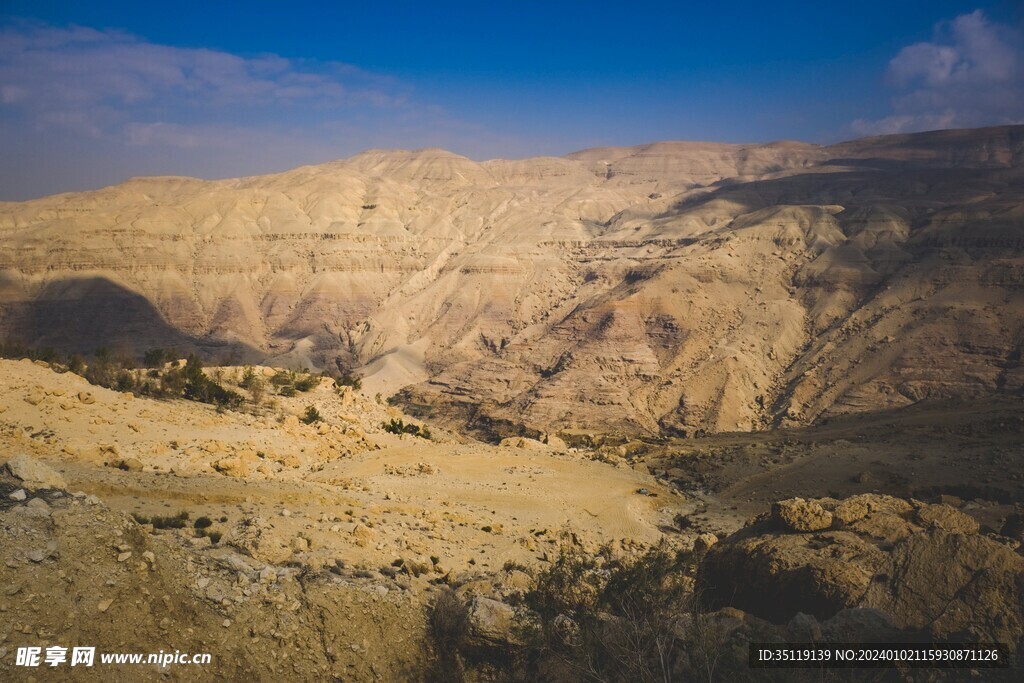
155,358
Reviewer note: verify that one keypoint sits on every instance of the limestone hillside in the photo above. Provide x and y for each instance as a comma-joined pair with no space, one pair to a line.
665,288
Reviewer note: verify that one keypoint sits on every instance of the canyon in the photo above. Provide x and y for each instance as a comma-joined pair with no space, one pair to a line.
669,289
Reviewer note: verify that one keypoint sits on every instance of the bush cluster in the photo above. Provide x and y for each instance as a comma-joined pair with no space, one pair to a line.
399,426
290,382
594,618
119,371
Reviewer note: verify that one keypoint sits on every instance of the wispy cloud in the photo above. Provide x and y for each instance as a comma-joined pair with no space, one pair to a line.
970,74
83,107
102,82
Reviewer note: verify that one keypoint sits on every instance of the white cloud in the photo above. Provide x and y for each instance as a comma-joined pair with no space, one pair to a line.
109,82
81,108
970,74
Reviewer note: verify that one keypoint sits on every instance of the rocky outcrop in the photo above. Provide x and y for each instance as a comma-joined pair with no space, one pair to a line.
919,566
33,473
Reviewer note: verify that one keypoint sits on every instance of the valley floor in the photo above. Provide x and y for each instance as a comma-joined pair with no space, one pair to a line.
323,544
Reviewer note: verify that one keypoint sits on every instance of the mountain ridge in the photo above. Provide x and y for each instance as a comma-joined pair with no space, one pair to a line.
674,288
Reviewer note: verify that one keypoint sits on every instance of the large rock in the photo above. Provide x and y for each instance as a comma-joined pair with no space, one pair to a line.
952,584
490,624
802,515
946,518
775,576
922,567
34,474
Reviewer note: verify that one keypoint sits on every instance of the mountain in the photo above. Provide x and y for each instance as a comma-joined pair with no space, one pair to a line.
666,288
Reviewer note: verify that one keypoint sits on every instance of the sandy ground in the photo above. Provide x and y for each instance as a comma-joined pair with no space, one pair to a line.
353,492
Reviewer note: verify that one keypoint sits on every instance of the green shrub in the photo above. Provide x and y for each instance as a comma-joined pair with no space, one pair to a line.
311,415
283,378
199,387
306,383
76,364
248,376
398,426
214,536
155,358
171,522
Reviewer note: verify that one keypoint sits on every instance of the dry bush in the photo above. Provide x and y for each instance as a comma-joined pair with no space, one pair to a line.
449,626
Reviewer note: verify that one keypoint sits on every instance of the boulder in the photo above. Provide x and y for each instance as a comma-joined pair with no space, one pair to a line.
802,515
556,442
363,535
33,473
893,565
490,624
803,628
950,584
946,518
850,510
775,576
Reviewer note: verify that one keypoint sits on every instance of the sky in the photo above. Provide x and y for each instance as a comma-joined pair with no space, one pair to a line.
94,93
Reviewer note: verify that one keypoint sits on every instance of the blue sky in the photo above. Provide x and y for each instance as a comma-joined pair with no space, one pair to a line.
92,93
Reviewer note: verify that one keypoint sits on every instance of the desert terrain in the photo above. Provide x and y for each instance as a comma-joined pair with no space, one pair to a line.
611,416
665,288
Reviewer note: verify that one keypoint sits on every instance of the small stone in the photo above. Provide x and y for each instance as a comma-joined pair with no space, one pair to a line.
124,556
149,557
227,623
38,504
104,605
130,465
18,495
286,513
36,555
